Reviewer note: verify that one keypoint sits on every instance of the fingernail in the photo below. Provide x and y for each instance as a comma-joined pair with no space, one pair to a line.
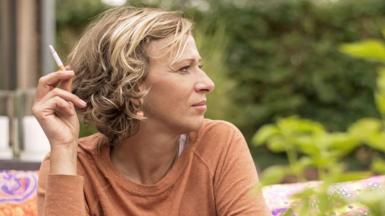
83,103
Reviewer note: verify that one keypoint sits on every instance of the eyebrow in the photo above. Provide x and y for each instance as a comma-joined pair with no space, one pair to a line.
199,60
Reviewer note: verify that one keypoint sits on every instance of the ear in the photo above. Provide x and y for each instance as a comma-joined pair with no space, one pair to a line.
143,86
140,114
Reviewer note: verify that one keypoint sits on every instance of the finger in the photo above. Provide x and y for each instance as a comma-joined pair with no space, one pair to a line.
49,81
51,106
62,107
68,96
66,84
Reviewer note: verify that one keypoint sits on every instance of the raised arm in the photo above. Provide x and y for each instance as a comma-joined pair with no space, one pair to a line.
60,189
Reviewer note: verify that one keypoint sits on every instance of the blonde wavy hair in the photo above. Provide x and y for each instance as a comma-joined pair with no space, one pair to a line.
110,64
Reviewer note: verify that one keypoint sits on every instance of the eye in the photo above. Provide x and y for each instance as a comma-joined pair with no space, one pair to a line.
184,69
200,66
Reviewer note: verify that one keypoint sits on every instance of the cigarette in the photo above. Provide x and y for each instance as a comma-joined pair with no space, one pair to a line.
67,85
56,58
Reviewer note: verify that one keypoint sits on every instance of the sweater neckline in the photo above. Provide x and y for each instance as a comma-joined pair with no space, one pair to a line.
153,189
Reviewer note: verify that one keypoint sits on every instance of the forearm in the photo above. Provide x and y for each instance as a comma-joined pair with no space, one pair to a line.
61,188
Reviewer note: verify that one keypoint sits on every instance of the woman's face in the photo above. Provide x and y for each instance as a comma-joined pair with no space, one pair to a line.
177,96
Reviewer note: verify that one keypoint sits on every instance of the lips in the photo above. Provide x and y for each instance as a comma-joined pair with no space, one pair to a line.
201,106
202,103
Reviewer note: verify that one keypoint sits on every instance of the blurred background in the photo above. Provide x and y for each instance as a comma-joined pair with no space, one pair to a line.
269,59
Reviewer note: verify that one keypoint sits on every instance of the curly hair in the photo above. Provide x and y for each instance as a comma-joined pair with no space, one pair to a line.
110,64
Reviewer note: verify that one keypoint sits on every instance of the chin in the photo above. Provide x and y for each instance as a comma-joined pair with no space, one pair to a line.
192,124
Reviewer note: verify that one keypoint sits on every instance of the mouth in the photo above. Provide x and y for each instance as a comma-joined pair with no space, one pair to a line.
201,106
202,103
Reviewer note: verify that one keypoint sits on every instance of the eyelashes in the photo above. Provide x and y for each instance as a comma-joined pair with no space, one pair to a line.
185,69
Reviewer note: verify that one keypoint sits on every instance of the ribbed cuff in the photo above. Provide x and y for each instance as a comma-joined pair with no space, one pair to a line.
64,195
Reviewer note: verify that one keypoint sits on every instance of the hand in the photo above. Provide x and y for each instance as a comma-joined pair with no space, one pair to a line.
54,108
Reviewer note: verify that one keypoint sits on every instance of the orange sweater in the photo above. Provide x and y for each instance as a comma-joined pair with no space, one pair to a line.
214,175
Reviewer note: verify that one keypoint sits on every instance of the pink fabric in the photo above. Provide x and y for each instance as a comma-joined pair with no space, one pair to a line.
18,193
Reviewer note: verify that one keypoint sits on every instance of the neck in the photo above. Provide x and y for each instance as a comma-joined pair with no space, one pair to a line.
147,156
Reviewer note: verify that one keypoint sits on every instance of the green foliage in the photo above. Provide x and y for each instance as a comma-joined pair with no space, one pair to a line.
368,49
374,200
317,201
305,140
282,55
212,43
72,16
86,130
307,145
274,174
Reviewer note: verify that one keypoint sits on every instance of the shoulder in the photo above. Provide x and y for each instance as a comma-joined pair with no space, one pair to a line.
214,140
217,130
91,144
217,126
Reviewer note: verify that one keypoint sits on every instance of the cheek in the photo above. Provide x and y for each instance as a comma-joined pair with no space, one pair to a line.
169,95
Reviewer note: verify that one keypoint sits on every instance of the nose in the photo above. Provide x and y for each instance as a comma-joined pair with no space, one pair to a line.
204,84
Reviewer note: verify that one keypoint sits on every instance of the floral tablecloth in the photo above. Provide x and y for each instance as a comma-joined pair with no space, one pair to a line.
278,196
18,193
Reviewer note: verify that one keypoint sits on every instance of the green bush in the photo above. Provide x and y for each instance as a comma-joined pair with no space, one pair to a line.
282,55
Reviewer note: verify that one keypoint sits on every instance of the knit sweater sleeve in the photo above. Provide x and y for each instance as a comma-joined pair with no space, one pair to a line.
60,194
235,180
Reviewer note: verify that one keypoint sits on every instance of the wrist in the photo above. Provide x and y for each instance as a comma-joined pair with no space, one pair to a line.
64,147
63,160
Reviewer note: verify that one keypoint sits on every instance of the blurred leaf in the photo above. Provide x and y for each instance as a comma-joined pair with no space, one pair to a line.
353,176
264,134
380,93
374,200
307,145
295,126
343,143
365,127
278,144
381,80
380,102
367,49
378,165
325,160
273,175
377,141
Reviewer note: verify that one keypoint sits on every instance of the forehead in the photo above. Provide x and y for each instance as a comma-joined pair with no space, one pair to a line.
160,54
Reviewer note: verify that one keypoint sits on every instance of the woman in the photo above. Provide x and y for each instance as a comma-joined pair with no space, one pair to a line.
137,76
